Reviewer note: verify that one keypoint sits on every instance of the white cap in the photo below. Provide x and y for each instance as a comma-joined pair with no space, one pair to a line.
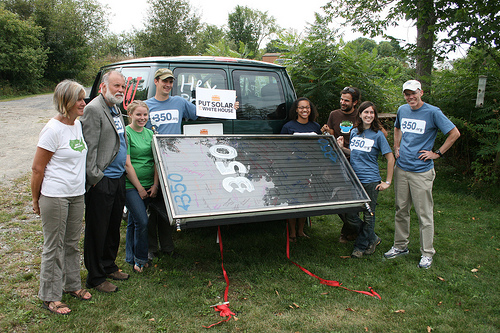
412,85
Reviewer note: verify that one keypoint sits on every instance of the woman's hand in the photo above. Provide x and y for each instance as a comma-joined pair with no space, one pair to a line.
143,193
153,191
36,207
340,141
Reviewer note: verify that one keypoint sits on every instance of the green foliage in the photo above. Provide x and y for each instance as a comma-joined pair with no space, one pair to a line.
23,57
248,28
464,22
478,149
321,67
171,28
209,35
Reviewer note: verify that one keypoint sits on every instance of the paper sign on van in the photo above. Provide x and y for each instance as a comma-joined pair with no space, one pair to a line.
215,103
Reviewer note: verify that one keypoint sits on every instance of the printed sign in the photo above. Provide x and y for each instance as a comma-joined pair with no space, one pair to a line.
215,103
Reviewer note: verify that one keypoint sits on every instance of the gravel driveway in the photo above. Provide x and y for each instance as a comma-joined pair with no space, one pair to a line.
21,121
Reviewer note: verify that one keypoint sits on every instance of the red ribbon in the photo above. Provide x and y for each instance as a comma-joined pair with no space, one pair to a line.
223,309
331,283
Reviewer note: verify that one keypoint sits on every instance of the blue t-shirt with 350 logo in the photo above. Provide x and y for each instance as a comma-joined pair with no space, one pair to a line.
419,130
165,117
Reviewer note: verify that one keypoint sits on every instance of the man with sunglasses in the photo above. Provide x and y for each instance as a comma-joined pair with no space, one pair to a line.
340,123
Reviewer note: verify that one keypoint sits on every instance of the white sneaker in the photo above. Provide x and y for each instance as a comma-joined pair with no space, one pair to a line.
395,252
425,262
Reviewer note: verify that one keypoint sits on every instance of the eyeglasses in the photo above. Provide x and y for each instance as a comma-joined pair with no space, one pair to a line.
304,108
349,90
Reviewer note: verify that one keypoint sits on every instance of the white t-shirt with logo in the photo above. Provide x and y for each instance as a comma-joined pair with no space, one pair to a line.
65,173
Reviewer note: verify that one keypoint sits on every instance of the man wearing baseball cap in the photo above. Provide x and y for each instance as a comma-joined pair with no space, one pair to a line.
166,112
415,131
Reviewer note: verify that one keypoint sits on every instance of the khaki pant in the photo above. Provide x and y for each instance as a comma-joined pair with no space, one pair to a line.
62,227
416,188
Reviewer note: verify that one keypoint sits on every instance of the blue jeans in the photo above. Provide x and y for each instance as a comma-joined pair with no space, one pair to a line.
366,234
136,247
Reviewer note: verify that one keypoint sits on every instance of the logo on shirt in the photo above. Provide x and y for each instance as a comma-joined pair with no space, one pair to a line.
164,117
77,145
345,127
413,126
359,143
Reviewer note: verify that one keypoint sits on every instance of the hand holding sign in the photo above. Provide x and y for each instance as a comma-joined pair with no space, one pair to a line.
216,103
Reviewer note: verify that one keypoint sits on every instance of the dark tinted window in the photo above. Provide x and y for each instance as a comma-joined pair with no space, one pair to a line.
260,95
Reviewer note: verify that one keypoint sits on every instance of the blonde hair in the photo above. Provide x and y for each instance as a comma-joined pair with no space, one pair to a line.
134,105
66,94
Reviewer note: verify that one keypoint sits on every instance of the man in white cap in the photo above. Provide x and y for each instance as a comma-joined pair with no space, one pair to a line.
415,130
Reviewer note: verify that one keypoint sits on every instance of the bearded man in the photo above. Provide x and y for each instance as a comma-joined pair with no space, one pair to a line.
104,132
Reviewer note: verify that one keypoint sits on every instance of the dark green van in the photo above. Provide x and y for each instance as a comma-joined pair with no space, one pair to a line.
264,90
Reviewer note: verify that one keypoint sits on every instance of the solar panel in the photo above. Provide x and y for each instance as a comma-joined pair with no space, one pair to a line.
215,180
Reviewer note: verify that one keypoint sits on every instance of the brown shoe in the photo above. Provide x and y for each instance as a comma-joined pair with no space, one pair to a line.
106,287
118,275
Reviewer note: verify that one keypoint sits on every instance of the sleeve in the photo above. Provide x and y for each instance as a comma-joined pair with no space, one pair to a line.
48,140
443,123
129,141
191,110
383,143
284,129
91,125
318,128
397,122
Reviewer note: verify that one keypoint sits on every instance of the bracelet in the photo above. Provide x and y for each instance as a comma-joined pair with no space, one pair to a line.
388,183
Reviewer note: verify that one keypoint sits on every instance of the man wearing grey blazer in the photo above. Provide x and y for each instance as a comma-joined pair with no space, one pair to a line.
104,132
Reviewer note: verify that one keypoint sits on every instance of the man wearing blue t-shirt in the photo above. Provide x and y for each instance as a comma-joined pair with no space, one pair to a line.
166,112
415,130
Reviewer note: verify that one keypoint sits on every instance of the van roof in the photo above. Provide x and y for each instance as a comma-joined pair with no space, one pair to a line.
196,60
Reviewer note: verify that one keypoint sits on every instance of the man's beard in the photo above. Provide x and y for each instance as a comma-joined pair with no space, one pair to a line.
113,98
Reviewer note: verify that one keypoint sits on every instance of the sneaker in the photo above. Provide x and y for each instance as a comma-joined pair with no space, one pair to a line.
425,262
395,252
357,254
118,275
371,248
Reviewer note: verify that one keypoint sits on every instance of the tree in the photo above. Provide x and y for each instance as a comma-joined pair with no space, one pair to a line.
171,29
470,22
71,29
23,57
248,28
209,35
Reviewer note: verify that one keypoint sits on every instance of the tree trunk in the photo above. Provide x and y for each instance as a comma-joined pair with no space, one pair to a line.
425,42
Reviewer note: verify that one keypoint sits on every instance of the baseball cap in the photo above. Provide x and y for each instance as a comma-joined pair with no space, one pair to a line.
164,73
412,85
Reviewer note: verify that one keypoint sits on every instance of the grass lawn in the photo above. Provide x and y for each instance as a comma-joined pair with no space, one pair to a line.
459,293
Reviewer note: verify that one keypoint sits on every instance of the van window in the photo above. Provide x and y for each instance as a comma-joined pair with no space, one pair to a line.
187,79
136,79
260,95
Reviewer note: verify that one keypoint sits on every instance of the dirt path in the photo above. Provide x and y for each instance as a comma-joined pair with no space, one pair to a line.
20,123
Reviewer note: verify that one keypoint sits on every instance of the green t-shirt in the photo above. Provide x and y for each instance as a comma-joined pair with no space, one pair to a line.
141,156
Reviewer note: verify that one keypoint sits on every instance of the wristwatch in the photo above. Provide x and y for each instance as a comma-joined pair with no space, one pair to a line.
439,153
388,183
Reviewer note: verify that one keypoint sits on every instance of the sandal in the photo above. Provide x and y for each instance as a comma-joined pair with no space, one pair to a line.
80,294
54,308
139,268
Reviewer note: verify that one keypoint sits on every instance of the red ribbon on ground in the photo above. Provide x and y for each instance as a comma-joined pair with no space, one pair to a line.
323,281
223,309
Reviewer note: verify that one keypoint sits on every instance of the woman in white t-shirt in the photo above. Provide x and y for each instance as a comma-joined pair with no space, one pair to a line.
58,187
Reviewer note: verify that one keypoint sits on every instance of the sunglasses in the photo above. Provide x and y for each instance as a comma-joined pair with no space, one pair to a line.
349,90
